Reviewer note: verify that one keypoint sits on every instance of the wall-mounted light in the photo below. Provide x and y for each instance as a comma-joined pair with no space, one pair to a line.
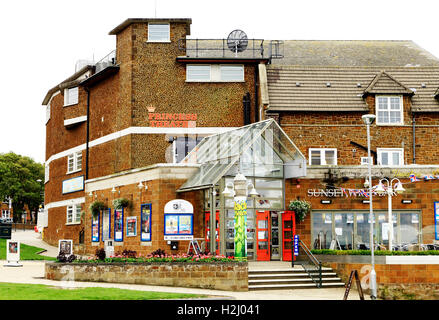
325,201
406,201
114,189
366,201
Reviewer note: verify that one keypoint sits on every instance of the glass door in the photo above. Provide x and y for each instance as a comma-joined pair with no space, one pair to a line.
262,236
207,228
274,226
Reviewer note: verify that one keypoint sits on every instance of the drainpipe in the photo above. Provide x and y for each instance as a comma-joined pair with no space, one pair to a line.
256,93
88,132
414,139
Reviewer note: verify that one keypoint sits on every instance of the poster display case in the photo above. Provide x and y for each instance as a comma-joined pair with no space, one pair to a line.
131,226
145,224
95,228
118,225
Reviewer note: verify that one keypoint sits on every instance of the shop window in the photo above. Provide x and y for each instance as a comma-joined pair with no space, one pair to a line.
321,230
409,228
74,214
158,32
74,162
71,96
325,156
390,156
389,110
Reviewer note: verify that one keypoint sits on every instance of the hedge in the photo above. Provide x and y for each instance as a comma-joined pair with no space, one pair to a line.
376,252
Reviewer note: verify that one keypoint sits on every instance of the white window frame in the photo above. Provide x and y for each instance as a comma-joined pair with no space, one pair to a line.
73,214
6,214
401,109
215,73
380,152
76,160
364,161
47,172
322,155
168,39
75,100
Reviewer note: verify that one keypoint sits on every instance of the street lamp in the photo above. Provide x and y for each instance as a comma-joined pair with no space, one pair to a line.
389,190
239,190
368,119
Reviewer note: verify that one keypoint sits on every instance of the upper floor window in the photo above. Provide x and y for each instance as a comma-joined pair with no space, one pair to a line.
182,146
48,112
389,110
198,72
74,162
390,156
215,73
71,96
322,156
158,32
74,214
46,172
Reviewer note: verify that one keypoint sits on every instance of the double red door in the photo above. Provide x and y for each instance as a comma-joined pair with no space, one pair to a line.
264,237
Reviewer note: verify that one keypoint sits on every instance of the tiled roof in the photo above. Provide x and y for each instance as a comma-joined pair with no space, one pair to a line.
317,88
384,83
354,53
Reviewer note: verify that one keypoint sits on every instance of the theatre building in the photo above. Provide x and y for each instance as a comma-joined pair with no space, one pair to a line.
154,133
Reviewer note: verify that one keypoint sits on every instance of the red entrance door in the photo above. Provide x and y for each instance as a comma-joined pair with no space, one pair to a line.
262,236
207,234
288,232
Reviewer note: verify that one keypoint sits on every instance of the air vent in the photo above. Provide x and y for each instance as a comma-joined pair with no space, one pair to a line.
423,85
358,85
297,84
328,84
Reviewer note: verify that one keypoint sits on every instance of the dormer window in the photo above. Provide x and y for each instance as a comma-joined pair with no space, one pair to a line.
158,32
389,110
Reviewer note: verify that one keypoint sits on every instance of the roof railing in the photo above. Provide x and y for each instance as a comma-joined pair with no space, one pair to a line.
108,60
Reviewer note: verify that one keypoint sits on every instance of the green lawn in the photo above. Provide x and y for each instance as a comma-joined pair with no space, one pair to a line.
26,252
15,291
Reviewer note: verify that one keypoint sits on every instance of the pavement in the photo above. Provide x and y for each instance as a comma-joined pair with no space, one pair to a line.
32,272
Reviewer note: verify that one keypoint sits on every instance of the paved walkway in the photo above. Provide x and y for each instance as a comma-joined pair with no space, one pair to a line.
33,272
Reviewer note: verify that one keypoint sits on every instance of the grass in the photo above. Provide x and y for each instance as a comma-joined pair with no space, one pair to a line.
26,252
16,291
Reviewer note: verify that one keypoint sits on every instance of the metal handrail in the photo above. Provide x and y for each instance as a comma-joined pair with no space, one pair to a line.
315,272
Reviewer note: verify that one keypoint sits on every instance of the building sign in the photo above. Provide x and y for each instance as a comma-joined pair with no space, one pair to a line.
145,225
65,247
179,220
73,185
436,220
342,192
296,245
173,120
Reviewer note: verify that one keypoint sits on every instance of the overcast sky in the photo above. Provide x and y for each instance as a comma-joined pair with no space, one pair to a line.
42,40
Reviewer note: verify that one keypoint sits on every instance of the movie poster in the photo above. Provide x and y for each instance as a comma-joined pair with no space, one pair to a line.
118,225
145,226
95,229
131,226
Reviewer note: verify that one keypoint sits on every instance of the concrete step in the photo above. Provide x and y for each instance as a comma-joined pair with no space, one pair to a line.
285,275
294,286
290,281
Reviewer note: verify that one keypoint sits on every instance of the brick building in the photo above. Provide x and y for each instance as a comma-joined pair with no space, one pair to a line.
120,128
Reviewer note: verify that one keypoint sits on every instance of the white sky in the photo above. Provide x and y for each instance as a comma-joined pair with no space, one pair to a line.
42,40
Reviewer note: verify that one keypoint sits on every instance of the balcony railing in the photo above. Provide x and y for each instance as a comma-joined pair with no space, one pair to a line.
108,60
219,48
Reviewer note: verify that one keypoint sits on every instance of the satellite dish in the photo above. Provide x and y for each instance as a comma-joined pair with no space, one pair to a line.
237,41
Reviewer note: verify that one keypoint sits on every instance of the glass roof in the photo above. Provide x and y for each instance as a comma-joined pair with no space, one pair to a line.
261,149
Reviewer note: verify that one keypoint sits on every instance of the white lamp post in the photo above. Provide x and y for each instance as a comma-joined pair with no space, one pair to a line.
368,119
398,188
239,190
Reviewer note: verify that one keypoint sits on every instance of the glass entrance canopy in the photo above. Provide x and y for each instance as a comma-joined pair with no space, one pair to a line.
261,149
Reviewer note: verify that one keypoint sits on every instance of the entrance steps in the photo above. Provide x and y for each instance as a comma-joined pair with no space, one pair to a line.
289,278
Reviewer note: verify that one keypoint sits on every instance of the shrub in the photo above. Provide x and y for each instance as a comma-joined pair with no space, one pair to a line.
121,203
129,254
100,254
96,207
158,252
301,208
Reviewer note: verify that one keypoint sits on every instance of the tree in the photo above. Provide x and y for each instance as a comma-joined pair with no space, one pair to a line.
21,179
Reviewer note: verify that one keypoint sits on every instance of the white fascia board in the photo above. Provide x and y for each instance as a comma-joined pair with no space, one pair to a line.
64,203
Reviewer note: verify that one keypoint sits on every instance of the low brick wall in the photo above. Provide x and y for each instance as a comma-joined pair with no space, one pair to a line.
414,278
219,276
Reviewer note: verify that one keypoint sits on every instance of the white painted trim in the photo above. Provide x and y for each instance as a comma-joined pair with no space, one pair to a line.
140,130
401,105
64,203
75,120
380,152
412,259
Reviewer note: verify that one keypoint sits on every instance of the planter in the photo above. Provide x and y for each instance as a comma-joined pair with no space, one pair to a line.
218,276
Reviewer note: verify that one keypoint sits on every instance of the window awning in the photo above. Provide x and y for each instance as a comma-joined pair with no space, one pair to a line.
261,149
